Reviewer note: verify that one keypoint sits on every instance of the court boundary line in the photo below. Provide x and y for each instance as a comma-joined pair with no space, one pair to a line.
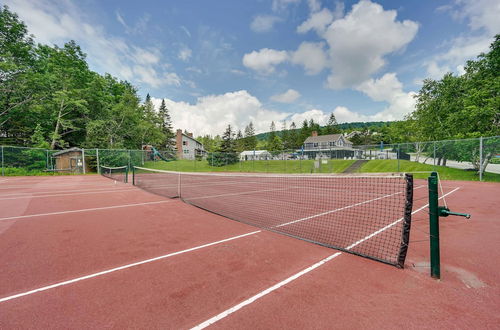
263,293
82,210
104,272
71,194
121,267
71,190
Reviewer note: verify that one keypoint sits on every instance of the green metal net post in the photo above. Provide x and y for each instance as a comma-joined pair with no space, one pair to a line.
434,225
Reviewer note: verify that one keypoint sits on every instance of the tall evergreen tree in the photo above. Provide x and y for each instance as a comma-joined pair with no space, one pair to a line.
228,144
240,142
331,126
250,138
285,137
293,136
166,125
272,133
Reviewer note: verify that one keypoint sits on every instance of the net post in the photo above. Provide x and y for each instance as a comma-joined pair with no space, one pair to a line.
434,225
98,164
126,175
83,160
481,158
3,170
405,235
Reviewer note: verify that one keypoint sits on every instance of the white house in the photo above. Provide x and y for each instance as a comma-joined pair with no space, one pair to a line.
329,146
187,147
255,155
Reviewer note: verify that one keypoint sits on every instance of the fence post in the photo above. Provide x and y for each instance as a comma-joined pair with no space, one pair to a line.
481,158
83,160
98,163
434,154
434,225
398,155
129,159
3,171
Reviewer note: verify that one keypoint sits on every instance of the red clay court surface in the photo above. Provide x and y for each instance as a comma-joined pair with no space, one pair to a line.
85,252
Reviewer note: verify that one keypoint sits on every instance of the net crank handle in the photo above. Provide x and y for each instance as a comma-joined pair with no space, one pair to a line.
443,211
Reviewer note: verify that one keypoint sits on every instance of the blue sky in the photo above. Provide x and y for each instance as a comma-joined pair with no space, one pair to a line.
231,62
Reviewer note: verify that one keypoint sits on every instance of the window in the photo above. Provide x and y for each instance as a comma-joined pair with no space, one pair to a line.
332,143
315,144
186,151
184,143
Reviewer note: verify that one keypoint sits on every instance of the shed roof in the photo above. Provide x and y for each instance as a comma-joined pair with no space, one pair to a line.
66,151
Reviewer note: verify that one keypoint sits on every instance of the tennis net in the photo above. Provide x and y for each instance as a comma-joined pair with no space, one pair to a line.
115,173
365,215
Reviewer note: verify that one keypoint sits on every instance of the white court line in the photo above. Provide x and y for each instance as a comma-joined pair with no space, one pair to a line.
52,286
261,294
83,210
55,184
126,266
67,191
71,194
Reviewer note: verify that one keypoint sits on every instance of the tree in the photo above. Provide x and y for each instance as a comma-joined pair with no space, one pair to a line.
285,137
331,126
293,136
275,145
228,144
250,139
240,142
166,126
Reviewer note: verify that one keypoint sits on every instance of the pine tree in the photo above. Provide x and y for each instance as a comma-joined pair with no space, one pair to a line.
304,133
285,137
332,126
240,142
250,138
272,133
227,144
293,136
166,125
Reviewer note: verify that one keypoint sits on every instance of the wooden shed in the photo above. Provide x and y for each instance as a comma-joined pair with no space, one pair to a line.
70,160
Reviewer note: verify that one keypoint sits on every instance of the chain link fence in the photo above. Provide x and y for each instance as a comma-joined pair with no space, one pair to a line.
468,159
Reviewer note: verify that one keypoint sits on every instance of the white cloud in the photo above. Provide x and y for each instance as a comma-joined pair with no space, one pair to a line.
319,116
172,78
283,4
184,54
264,60
57,22
264,23
312,56
289,96
318,21
360,40
388,89
235,108
482,17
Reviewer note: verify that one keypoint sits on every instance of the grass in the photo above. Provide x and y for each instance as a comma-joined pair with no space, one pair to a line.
333,166
19,171
261,166
445,173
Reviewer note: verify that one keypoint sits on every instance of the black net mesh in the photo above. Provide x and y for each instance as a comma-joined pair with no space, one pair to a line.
364,215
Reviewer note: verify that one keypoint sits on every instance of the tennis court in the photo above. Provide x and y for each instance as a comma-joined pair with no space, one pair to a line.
91,252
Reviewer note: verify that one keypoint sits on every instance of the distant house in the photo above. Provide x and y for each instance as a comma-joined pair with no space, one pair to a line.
188,147
326,142
331,146
255,155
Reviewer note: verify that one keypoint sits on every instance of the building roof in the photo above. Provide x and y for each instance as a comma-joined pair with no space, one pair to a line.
254,152
324,138
66,151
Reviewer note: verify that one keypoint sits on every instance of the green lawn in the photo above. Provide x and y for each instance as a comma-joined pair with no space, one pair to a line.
262,166
445,173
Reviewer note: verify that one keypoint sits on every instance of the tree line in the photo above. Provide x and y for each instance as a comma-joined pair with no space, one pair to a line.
51,99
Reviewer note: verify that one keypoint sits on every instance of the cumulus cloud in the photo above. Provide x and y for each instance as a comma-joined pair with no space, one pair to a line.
388,89
482,19
318,21
319,116
56,22
360,40
264,23
235,108
264,60
311,56
289,96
